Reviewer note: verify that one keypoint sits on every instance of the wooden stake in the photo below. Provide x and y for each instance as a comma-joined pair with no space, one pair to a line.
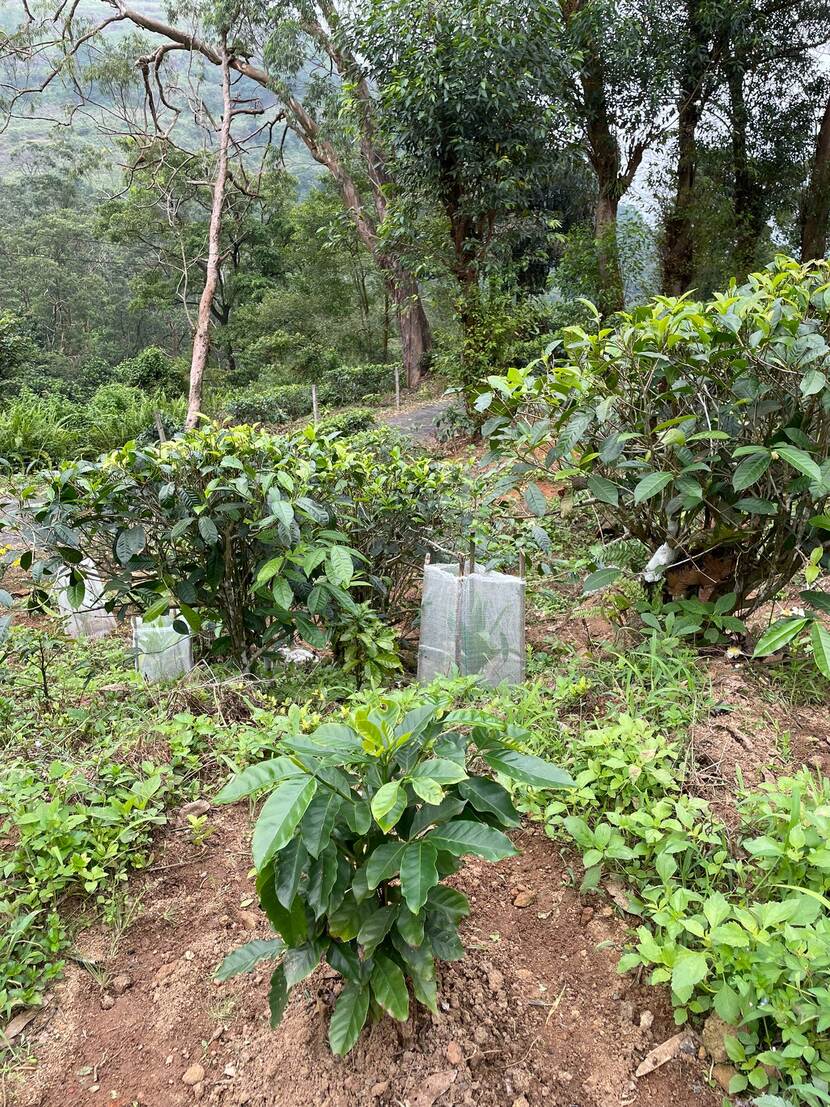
314,411
159,426
397,387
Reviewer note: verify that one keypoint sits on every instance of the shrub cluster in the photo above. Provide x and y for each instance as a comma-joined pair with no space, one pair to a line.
703,429
49,429
275,404
253,537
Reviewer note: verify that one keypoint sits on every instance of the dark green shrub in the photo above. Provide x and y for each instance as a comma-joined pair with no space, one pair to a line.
395,505
282,356
363,821
153,370
273,406
455,422
219,523
255,407
348,423
701,428
356,383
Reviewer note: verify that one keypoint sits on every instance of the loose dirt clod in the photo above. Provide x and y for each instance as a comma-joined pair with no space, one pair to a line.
194,1075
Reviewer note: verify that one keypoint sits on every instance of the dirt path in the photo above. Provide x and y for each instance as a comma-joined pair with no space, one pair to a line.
418,422
535,1014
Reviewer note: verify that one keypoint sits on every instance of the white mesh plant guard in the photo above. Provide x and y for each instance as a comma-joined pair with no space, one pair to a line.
472,623
90,619
161,652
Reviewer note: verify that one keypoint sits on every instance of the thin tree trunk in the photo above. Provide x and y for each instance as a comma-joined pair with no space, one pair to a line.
201,338
679,230
608,261
416,335
747,196
678,241
815,204
604,157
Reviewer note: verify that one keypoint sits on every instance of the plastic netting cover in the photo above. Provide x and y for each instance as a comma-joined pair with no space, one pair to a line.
161,652
91,619
473,624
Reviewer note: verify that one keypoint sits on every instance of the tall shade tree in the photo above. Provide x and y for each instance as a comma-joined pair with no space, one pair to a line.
467,92
814,215
746,77
620,97
303,55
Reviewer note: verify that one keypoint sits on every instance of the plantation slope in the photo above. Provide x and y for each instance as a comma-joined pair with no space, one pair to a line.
536,1013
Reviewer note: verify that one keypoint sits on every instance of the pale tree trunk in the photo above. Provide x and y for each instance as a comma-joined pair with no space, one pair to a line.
815,205
201,337
416,336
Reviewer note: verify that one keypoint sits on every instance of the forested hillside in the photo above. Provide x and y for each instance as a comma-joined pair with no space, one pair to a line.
414,524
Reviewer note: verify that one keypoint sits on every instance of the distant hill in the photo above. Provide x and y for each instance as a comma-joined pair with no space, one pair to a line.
45,117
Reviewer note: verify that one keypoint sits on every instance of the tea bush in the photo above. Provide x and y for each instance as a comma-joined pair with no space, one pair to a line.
277,403
396,506
363,821
354,384
348,423
272,406
219,524
702,428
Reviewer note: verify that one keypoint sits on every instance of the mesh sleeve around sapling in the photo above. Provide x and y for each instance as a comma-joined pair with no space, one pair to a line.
90,619
161,652
473,624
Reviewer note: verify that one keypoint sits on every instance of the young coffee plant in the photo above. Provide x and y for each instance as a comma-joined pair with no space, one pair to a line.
364,820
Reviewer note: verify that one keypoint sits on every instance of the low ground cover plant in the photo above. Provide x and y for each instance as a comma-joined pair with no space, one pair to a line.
362,822
93,762
736,924
703,429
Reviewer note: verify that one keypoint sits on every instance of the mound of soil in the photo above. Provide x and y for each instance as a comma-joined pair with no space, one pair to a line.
535,1014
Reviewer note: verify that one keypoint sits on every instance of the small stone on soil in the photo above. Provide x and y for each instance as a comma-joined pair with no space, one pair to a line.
454,1053
714,1032
495,980
196,808
723,1075
121,983
107,1001
194,1075
524,899
646,1020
